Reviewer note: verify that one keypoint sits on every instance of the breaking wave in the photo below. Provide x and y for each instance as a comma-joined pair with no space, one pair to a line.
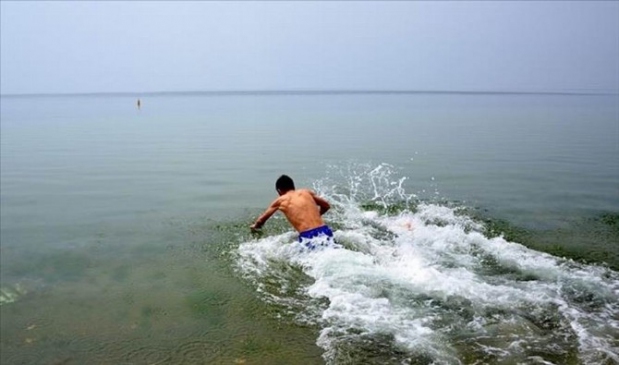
419,283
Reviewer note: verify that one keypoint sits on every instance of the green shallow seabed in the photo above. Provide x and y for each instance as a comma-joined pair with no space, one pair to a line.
177,303
593,240
180,302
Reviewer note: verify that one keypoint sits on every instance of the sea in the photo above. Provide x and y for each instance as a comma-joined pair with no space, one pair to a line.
471,228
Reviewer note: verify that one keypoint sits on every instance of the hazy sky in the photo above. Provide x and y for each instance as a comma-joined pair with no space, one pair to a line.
49,47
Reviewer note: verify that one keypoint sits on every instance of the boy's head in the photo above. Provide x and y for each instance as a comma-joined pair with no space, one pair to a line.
284,184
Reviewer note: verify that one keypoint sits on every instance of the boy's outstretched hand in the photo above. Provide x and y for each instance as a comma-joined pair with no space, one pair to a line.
256,232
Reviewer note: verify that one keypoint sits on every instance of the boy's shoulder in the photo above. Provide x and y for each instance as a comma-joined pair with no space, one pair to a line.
297,194
306,191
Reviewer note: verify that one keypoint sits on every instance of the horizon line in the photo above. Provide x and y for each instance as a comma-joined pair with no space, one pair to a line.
311,92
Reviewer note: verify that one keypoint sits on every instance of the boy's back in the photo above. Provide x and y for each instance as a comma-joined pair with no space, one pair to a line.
301,209
300,206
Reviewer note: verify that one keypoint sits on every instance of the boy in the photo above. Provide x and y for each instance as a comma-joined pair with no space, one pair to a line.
301,209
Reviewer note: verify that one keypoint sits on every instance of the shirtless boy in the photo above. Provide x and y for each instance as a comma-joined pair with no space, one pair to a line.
300,208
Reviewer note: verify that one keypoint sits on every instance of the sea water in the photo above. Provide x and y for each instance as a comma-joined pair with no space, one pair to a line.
475,228
427,284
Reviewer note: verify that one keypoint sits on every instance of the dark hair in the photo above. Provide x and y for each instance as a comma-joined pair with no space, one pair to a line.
284,183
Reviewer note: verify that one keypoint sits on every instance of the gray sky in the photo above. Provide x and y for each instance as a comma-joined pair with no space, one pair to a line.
49,47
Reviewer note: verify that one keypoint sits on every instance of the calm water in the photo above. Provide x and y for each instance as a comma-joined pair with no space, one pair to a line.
124,232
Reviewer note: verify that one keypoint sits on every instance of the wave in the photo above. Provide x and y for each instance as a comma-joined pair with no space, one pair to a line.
422,282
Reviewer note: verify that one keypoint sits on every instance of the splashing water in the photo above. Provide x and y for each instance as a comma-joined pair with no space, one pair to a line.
421,283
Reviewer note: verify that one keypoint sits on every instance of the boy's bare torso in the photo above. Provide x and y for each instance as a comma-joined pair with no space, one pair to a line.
302,207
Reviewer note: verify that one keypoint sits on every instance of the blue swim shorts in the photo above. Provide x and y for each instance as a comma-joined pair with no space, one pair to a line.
320,236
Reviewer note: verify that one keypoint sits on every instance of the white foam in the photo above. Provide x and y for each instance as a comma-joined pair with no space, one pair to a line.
424,280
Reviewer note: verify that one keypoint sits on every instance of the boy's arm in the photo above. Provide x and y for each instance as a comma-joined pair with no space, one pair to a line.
266,215
323,204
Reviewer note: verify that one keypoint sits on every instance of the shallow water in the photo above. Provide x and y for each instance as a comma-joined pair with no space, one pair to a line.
124,233
428,285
